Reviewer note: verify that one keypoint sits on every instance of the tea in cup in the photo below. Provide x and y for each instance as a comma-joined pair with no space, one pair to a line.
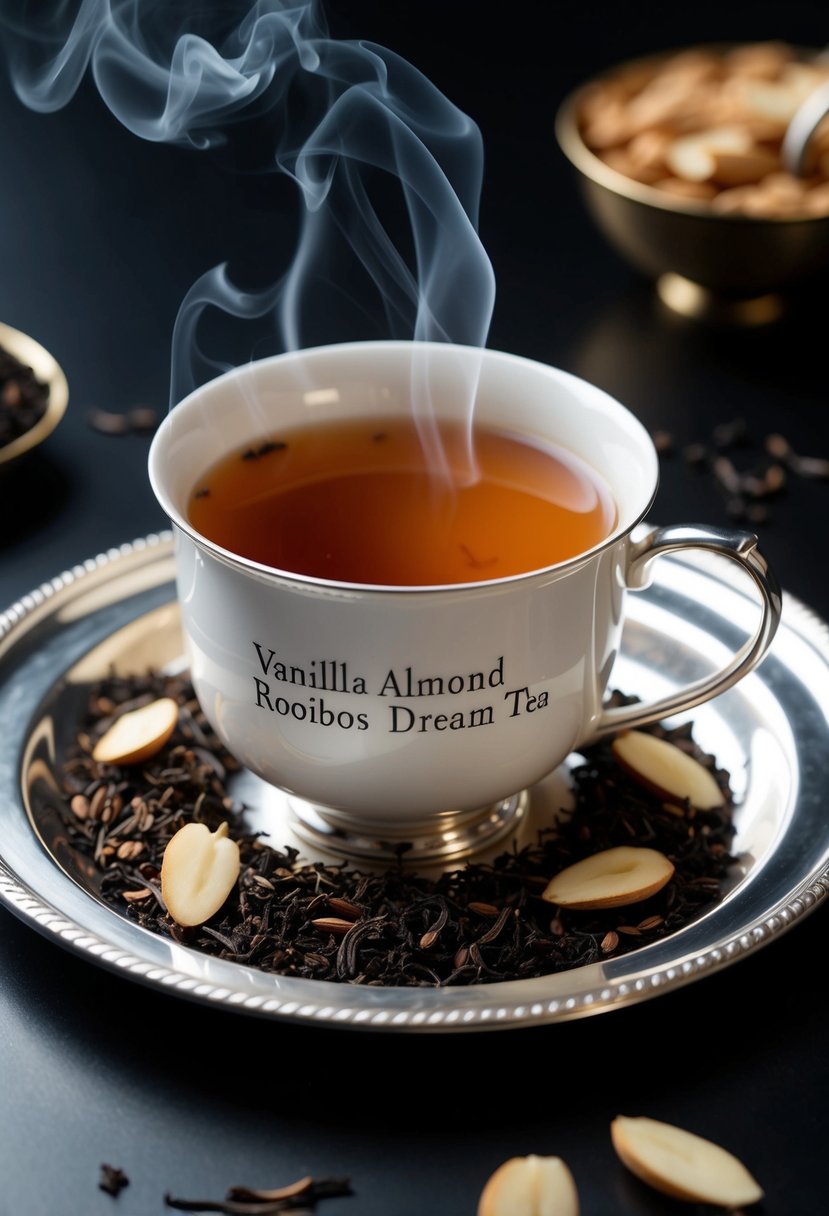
402,571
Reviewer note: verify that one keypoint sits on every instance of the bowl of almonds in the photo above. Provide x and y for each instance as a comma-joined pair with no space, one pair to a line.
707,168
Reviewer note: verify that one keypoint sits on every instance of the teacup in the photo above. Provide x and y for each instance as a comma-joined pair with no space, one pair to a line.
419,715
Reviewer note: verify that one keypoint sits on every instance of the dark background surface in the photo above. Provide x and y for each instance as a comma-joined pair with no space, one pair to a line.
101,235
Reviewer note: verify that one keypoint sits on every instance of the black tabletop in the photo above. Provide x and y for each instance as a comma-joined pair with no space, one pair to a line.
104,230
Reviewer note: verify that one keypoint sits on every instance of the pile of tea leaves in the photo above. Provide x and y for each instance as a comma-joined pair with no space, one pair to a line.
23,398
481,922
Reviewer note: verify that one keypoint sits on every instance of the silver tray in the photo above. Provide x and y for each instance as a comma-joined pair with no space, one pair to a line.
771,732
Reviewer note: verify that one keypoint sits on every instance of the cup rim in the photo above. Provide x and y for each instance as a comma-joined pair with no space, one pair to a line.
276,575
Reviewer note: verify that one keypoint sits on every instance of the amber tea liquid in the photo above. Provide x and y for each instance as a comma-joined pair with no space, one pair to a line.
353,501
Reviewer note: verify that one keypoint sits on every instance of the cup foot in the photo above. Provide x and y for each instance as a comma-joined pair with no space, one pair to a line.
691,299
447,837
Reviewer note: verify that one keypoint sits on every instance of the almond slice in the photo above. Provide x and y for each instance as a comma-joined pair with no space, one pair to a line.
198,872
610,879
681,1164
137,734
666,770
530,1186
742,168
704,192
770,99
763,60
694,157
690,160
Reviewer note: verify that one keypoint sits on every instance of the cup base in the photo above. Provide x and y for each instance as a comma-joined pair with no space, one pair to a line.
447,837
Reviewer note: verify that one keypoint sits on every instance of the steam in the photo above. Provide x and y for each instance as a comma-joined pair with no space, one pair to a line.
358,129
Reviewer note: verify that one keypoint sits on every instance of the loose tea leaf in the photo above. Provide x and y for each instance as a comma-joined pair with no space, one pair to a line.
747,477
113,1179
141,419
481,922
241,1201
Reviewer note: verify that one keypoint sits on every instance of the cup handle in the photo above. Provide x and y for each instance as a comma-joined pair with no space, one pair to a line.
740,547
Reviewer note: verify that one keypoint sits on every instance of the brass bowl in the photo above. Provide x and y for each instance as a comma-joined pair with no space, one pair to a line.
48,372
728,267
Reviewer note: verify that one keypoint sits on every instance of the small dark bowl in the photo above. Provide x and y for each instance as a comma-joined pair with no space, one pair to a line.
48,372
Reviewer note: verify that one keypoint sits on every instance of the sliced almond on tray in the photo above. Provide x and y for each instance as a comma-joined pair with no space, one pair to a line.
681,1164
198,872
138,734
610,879
666,770
530,1186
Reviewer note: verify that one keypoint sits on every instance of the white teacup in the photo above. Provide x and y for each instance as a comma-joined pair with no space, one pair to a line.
420,714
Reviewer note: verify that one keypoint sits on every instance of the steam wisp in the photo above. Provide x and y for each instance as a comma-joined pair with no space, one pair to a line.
345,120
